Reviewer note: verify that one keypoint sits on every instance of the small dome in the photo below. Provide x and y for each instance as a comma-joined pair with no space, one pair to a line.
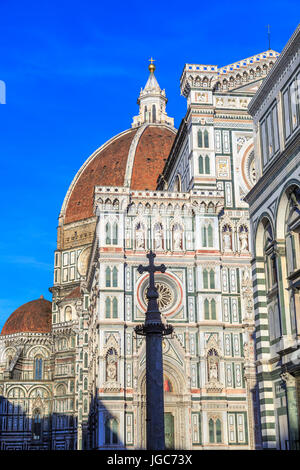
34,317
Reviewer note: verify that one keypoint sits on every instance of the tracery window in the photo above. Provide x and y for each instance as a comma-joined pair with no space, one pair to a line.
111,431
215,430
38,368
111,233
210,309
36,425
208,278
207,236
111,307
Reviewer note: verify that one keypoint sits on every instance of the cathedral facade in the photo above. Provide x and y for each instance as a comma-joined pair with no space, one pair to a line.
72,374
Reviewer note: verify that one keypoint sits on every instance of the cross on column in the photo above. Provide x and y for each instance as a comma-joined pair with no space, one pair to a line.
151,269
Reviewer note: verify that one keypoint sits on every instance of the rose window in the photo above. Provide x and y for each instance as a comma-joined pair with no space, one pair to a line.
165,296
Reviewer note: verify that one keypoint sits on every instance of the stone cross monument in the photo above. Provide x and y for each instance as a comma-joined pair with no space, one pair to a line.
154,330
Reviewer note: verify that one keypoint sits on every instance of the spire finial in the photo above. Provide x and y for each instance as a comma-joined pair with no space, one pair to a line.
151,66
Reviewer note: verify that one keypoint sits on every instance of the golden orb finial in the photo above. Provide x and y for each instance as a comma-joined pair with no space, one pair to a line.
151,66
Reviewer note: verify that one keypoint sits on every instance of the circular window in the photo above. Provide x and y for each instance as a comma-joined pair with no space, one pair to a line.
165,295
169,293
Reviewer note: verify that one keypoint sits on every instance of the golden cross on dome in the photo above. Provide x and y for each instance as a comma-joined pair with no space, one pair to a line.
151,66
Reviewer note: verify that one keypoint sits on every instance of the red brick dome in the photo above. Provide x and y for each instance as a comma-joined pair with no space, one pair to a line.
34,317
135,158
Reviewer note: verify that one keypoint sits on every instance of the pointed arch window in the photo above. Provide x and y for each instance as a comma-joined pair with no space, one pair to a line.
218,431
153,113
205,279
215,431
108,234
115,277
38,368
210,236
37,425
85,360
204,236
210,311
107,276
207,165
211,426
111,233
206,309
213,309
212,279
208,279
111,431
115,308
111,307
200,163
200,139
206,139
115,234
107,307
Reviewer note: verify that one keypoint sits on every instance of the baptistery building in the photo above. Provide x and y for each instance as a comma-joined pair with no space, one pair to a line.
72,372
275,219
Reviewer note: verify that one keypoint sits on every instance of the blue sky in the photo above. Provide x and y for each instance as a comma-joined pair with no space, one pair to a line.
73,71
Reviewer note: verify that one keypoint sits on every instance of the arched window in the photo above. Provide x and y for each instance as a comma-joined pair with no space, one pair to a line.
108,234
107,276
211,426
115,277
107,307
210,309
38,368
115,308
206,140
206,309
204,236
213,309
36,425
153,113
145,113
205,279
111,431
111,307
200,162
200,139
85,406
218,431
115,234
85,386
212,279
270,258
85,360
207,165
210,236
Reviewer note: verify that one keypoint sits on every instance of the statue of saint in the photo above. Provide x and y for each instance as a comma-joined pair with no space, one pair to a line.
243,241
140,237
227,240
177,238
158,237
